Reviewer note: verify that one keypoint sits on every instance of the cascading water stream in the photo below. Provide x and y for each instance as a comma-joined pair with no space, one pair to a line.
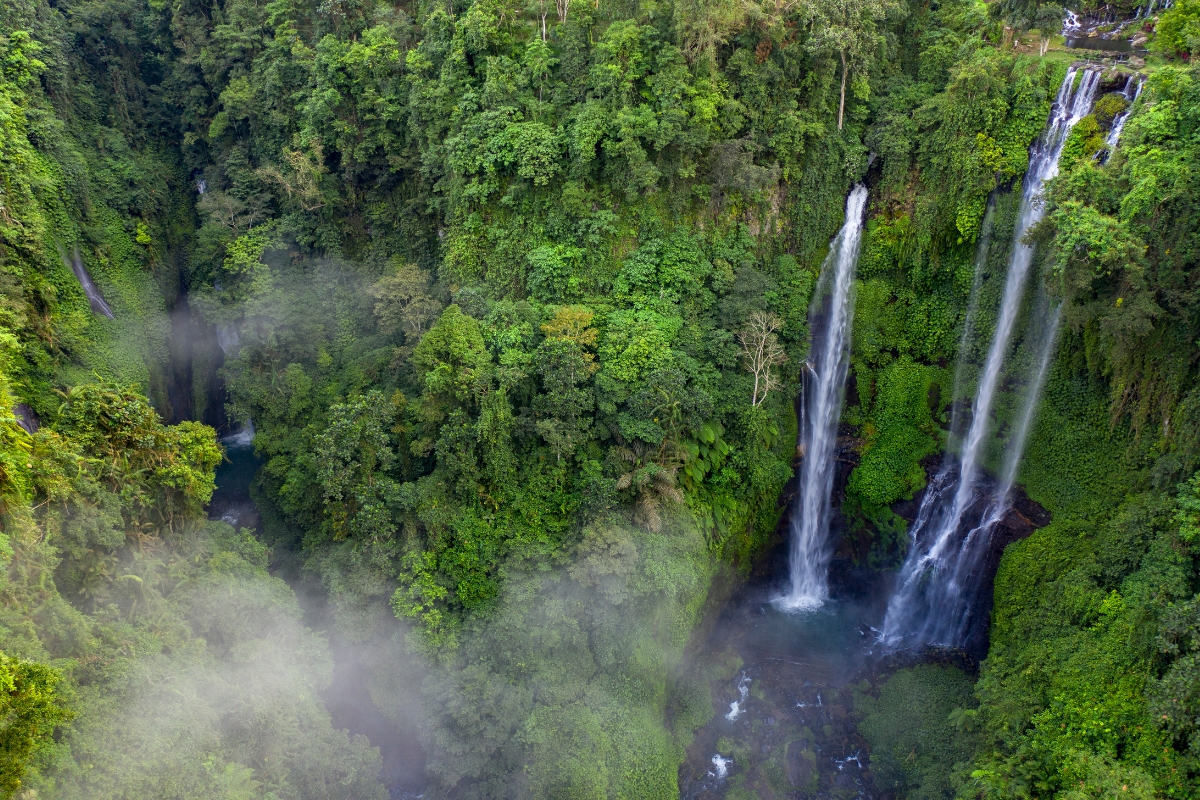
824,381
1047,339
1114,134
960,590
931,604
94,298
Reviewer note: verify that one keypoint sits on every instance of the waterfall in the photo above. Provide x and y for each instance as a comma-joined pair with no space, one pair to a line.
823,384
1114,134
933,601
242,437
227,339
957,592
95,299
1016,443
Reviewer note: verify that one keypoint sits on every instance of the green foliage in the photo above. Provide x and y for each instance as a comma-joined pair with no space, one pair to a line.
1178,30
561,691
1108,107
1121,271
922,731
185,663
31,710
898,432
1084,141
488,266
1174,700
1076,605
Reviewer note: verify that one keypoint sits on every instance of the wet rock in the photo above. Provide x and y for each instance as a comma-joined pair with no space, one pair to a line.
844,785
27,418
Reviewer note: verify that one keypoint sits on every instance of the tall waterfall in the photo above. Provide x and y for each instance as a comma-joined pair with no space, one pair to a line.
823,381
935,594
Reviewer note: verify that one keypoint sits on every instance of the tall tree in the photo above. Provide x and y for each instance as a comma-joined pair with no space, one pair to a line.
849,29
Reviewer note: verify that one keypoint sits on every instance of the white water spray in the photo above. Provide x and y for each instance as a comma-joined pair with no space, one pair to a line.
929,603
242,437
824,383
735,708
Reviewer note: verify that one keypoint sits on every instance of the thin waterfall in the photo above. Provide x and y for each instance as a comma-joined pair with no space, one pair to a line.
929,603
957,590
1114,134
1047,339
94,298
823,385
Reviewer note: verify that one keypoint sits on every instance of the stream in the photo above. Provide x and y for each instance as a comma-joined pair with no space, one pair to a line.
785,724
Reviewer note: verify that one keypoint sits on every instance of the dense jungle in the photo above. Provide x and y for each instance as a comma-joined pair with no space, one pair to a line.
501,311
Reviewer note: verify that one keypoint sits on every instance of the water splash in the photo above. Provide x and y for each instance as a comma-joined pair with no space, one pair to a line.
933,599
242,437
227,339
823,383
738,706
721,765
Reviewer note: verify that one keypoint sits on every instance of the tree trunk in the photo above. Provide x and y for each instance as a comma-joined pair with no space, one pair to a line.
842,105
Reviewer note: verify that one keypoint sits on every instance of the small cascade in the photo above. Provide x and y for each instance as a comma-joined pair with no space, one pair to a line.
95,299
738,706
27,418
227,339
242,437
821,407
936,590
1046,341
1118,125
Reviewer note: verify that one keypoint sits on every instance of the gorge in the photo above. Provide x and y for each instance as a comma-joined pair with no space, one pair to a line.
483,399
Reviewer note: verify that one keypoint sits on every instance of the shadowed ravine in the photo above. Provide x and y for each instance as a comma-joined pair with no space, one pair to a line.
795,733
347,697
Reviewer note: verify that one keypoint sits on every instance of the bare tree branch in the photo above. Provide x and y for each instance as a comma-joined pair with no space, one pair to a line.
762,353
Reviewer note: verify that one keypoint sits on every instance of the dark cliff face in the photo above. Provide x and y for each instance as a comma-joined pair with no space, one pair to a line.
851,576
1024,516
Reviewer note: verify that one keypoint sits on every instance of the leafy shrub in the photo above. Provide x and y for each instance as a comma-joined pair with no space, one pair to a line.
920,728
